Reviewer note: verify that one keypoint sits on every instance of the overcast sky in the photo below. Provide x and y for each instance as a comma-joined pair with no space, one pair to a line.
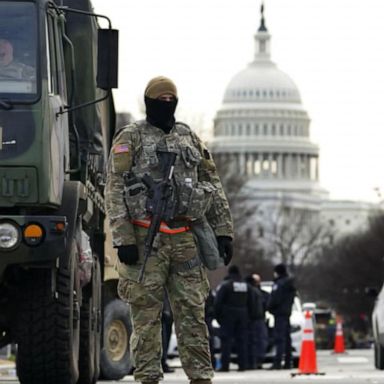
332,49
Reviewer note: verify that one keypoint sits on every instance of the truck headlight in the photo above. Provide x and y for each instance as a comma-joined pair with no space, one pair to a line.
9,235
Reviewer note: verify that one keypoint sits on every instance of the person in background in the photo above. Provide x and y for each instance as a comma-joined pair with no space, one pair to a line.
257,328
280,306
231,309
209,317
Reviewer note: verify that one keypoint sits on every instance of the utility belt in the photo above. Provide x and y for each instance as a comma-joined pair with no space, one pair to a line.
164,227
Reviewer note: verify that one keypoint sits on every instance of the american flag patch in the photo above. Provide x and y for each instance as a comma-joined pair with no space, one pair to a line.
121,148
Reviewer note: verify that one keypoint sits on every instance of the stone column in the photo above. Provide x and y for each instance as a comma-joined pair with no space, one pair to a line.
270,160
289,166
298,166
242,163
260,158
317,168
280,166
250,165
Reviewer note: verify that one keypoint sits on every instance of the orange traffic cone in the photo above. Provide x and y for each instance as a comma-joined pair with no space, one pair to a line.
339,346
307,362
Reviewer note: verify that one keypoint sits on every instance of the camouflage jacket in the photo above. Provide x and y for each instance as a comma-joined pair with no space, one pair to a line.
134,150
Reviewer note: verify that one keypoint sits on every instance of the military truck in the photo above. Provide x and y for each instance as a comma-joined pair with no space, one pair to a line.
58,304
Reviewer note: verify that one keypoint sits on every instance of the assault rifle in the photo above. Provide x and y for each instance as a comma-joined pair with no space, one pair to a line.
159,203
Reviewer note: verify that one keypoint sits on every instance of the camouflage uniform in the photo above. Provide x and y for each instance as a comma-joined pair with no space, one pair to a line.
174,263
17,71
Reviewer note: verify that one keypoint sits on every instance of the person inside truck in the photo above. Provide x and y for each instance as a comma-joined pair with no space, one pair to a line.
11,68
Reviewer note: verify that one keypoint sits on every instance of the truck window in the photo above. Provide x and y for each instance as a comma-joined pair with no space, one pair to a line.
18,50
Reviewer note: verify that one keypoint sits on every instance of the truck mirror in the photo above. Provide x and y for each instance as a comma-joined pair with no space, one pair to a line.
107,58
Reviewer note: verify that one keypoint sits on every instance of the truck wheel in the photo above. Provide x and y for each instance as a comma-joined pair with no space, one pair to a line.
115,357
379,356
90,329
48,326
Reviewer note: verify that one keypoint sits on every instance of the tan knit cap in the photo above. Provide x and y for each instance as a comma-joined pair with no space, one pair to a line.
158,86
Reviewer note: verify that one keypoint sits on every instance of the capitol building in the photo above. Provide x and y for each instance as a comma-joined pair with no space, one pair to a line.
262,133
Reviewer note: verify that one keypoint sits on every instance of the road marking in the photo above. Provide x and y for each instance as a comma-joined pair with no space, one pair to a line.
317,377
352,360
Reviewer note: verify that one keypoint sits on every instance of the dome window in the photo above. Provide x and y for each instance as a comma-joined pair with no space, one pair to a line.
258,93
273,129
265,129
265,93
271,94
251,93
256,129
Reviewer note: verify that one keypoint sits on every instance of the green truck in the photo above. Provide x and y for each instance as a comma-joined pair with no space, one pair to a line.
58,301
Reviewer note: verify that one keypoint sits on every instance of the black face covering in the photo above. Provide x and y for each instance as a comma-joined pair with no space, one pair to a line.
160,113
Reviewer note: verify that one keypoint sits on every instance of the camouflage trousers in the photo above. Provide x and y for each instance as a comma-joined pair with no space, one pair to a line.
187,290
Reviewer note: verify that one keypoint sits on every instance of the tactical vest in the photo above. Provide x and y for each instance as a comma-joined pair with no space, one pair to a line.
191,198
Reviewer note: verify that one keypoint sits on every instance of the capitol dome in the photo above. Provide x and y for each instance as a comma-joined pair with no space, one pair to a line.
262,131
261,81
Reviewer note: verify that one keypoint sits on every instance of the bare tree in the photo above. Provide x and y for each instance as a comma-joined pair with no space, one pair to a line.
341,274
293,236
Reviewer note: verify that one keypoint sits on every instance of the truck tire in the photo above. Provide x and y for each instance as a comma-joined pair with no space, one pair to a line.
115,362
379,356
48,326
90,329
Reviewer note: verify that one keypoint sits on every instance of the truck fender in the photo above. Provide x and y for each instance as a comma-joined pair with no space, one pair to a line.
72,207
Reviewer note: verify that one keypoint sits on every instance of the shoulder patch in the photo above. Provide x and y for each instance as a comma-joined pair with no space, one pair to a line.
121,148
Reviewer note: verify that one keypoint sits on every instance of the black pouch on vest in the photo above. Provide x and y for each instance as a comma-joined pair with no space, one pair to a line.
206,243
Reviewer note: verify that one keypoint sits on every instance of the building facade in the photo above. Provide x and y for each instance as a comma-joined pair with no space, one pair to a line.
263,131
262,134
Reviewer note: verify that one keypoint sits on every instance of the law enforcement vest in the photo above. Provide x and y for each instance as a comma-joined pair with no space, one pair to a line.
191,197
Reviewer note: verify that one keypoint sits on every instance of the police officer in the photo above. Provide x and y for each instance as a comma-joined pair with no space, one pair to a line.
174,264
232,312
280,306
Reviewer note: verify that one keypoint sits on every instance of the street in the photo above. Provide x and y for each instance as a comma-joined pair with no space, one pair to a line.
354,367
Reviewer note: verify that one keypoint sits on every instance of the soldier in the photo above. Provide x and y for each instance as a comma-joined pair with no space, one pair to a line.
174,263
11,68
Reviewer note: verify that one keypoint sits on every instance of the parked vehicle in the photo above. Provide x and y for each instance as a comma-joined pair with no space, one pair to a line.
57,120
378,327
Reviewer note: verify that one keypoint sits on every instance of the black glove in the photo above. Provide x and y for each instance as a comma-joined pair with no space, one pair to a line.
225,248
128,254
